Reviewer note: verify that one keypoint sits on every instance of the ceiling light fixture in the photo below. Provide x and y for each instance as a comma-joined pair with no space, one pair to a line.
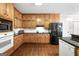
39,4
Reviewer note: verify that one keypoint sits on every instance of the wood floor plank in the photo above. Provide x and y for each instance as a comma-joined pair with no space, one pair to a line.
35,49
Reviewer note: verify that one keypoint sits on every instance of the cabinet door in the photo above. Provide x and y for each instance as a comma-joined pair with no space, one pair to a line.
16,23
46,38
2,9
55,17
46,24
26,38
29,24
33,24
77,51
25,24
10,11
20,23
18,40
66,49
17,14
21,39
15,43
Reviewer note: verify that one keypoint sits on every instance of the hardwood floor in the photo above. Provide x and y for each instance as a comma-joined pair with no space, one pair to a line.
35,49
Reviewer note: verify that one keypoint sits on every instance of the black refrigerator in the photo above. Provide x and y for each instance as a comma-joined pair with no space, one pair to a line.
55,32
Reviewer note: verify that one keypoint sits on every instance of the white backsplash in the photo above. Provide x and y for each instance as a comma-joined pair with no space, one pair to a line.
37,29
17,29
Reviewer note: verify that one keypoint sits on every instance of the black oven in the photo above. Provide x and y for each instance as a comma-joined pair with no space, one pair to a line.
5,25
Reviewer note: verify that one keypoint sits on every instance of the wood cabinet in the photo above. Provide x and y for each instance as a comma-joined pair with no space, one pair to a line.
7,11
10,11
18,40
17,19
17,23
2,9
36,38
45,19
55,17
77,51
46,23
29,23
17,14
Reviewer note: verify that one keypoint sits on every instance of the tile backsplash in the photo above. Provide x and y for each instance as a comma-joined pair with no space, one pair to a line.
37,29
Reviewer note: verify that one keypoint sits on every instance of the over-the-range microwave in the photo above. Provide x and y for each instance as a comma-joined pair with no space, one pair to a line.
5,25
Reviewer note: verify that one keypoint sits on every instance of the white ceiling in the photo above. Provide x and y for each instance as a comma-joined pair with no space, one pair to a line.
63,8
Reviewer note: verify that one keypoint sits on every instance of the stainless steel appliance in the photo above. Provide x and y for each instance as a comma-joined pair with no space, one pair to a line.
55,32
5,25
75,37
6,42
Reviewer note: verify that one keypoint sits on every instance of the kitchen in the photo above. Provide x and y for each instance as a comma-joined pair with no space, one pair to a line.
27,29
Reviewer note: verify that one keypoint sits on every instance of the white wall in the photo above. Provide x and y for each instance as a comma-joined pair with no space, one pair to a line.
76,24
67,25
76,28
70,25
66,29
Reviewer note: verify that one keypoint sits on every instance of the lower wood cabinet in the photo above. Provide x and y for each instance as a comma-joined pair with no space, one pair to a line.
28,38
18,40
77,51
36,38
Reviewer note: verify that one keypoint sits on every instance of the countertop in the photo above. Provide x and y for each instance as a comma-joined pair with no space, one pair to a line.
70,41
36,33
28,33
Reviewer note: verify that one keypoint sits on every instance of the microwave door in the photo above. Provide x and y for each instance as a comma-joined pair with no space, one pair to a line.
3,27
7,27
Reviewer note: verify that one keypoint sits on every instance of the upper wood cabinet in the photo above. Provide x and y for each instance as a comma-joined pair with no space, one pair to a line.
54,17
40,19
7,11
46,23
17,14
10,11
29,24
31,20
2,9
17,23
17,19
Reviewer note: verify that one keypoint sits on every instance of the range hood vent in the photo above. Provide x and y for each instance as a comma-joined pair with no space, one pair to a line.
39,25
